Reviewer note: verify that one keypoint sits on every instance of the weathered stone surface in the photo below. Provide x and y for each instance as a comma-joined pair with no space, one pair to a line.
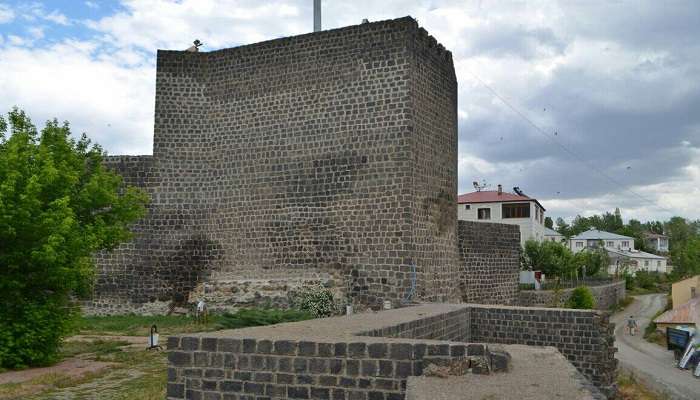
328,157
490,262
375,354
606,296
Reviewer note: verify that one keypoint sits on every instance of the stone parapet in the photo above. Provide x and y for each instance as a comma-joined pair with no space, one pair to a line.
368,356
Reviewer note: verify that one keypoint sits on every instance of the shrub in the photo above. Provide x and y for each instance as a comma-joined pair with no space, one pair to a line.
581,298
552,258
58,206
316,300
248,317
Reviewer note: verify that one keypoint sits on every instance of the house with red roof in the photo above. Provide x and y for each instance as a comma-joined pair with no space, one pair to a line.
505,208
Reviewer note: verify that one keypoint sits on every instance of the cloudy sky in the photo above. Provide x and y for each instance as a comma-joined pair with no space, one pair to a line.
586,105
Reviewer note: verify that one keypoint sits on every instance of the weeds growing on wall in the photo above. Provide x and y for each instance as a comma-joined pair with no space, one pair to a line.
581,298
315,300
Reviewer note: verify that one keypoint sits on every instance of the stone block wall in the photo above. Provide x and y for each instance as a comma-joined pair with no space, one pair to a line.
489,262
370,356
606,296
586,338
327,157
322,359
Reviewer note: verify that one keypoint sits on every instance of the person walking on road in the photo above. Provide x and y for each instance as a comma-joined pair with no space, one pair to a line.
631,325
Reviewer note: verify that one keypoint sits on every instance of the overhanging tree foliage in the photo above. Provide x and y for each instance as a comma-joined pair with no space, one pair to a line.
58,206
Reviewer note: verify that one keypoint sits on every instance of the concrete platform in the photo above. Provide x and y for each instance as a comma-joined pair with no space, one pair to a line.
536,373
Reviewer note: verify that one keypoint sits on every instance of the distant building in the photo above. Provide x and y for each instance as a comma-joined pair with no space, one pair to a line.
683,291
505,208
621,250
687,315
635,260
656,242
594,238
686,305
553,236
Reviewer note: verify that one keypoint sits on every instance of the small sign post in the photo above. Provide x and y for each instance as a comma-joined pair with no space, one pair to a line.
153,339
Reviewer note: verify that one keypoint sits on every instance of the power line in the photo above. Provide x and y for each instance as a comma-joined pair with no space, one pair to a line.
566,149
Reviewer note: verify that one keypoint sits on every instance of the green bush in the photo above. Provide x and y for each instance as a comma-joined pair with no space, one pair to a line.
581,298
248,317
552,258
58,206
630,282
646,280
316,300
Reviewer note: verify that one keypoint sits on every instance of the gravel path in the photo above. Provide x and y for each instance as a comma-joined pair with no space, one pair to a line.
652,362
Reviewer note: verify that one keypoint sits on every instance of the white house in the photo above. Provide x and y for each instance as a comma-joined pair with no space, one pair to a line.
621,251
506,208
554,236
635,260
596,238
658,243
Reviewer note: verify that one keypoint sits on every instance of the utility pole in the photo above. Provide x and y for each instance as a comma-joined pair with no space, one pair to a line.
317,15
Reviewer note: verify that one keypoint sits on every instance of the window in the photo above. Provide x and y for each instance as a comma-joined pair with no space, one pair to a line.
625,243
646,263
484,213
579,244
516,210
658,263
467,207
610,244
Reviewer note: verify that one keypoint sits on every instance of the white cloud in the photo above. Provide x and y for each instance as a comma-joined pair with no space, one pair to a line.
6,14
57,17
105,85
111,103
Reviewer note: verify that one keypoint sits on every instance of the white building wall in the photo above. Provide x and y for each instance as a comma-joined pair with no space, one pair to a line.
654,265
529,227
615,244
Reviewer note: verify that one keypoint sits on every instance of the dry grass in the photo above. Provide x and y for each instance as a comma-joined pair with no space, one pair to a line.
631,388
137,374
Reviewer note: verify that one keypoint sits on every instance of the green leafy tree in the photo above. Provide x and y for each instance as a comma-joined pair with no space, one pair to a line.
563,227
686,259
548,222
58,206
581,298
592,262
552,258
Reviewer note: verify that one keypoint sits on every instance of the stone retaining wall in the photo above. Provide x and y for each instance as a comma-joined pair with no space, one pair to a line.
586,338
607,296
370,356
320,360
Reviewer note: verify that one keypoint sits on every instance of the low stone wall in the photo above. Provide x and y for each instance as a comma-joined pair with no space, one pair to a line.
370,356
586,338
322,359
607,296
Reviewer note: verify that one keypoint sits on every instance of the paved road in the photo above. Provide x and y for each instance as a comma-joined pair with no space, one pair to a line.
652,362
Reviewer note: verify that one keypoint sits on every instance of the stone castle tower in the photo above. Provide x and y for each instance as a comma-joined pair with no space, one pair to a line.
328,157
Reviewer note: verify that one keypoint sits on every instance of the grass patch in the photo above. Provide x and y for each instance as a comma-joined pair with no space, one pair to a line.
44,383
140,325
97,347
631,388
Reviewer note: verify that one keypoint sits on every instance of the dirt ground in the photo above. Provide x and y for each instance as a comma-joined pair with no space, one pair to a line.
97,368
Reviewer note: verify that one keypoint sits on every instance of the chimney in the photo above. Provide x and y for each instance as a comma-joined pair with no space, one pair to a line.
500,189
317,15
